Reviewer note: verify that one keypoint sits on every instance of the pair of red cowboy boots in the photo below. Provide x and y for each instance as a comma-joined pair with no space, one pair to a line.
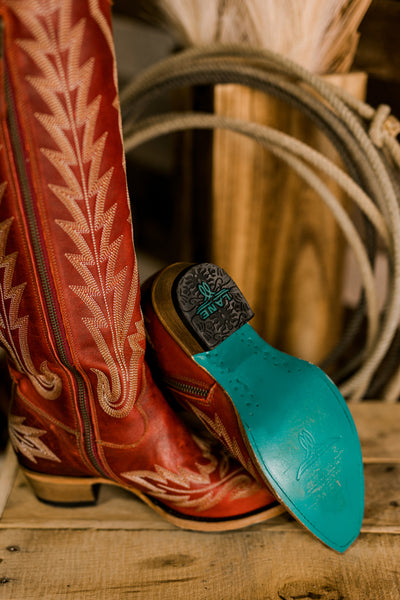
85,408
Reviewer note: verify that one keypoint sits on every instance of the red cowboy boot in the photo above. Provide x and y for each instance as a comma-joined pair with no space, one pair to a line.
85,409
281,417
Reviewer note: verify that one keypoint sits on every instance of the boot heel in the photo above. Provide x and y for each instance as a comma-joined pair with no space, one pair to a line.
210,304
63,491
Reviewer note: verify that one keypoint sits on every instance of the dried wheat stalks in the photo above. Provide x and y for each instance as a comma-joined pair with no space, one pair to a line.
321,35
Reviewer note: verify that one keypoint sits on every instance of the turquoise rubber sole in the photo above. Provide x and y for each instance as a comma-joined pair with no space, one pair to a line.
294,421
300,431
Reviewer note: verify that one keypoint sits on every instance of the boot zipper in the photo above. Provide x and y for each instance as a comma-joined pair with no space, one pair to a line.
186,388
45,279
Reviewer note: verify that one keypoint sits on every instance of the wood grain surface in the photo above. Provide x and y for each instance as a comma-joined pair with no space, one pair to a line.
271,231
99,565
121,549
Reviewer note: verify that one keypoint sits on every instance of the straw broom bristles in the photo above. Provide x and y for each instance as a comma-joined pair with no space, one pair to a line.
321,35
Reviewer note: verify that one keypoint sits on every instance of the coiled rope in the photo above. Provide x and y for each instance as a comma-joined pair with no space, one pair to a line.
365,139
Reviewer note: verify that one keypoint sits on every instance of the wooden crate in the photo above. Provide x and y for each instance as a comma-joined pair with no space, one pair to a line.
122,549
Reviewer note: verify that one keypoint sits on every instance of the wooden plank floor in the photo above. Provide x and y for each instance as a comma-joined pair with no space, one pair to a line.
121,549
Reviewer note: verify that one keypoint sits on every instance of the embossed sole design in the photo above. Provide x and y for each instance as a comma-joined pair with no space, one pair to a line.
294,421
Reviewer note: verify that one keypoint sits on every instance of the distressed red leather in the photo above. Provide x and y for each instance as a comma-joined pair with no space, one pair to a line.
85,403
193,387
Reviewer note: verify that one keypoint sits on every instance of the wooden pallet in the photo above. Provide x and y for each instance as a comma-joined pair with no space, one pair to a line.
121,549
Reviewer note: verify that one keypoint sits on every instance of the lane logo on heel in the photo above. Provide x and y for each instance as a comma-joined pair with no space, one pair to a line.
213,301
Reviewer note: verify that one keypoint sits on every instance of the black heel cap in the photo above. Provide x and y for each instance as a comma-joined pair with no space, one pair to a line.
210,304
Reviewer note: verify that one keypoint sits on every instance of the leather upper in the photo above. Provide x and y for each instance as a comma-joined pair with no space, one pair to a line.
70,319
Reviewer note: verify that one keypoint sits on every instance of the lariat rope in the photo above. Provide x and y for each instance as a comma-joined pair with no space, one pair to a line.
365,139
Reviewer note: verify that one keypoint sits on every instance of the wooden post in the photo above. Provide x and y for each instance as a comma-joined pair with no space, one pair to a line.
271,232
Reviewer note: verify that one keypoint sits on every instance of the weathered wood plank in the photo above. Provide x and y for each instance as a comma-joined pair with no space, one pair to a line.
378,426
117,509
382,498
379,429
176,565
122,549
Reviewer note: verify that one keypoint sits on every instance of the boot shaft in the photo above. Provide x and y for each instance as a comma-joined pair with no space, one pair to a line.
70,315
